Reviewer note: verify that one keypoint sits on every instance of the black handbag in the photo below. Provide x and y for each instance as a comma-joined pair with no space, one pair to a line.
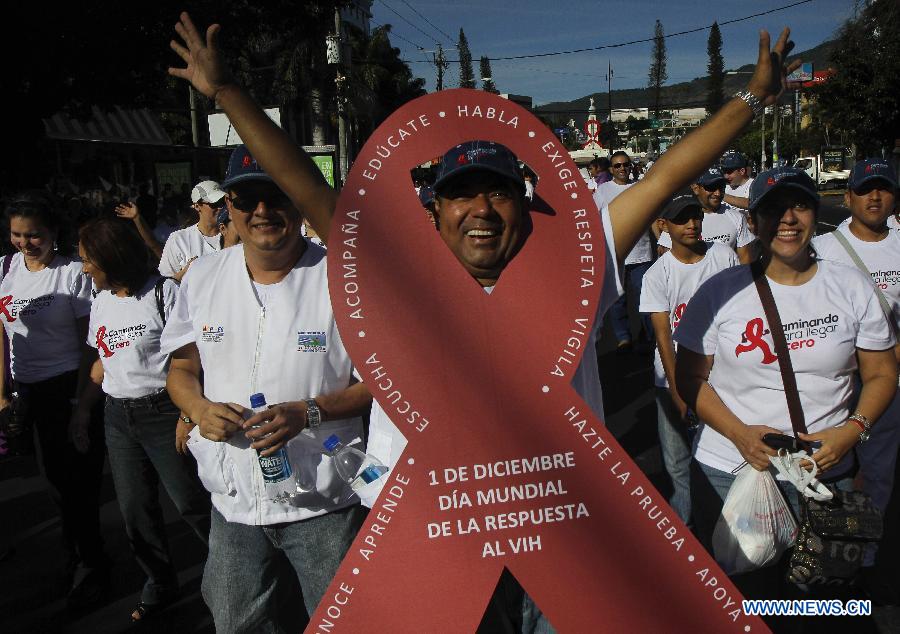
834,534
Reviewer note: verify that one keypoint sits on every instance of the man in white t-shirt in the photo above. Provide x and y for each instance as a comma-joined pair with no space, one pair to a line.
257,318
638,259
185,245
668,287
737,173
871,198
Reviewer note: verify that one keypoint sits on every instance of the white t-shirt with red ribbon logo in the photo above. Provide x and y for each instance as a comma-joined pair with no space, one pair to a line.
824,320
39,310
726,225
670,283
126,333
882,258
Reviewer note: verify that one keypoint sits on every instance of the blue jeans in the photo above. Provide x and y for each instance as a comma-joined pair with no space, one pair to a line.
140,437
676,453
634,277
240,581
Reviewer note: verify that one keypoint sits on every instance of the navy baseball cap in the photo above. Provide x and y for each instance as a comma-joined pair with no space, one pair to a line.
712,176
222,218
426,195
869,170
243,167
781,178
478,155
733,161
682,200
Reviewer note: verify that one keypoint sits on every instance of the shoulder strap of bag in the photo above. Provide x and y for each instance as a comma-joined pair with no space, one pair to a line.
798,421
842,240
160,300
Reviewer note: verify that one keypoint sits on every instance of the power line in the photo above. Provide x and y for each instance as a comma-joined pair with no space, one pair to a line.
431,37
430,23
642,41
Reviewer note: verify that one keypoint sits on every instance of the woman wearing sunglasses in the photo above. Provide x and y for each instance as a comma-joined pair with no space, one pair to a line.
185,245
145,436
728,372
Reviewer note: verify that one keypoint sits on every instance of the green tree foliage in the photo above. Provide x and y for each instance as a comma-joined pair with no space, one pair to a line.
715,67
863,98
466,72
657,75
379,82
487,79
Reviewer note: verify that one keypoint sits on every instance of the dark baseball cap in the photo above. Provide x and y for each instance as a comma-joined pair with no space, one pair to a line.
243,167
478,155
712,176
426,195
223,218
733,161
869,170
682,200
779,179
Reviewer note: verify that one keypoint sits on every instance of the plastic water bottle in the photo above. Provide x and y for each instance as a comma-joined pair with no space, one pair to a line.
276,468
352,465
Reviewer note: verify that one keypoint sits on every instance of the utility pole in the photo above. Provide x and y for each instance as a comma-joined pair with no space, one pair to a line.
762,145
609,76
775,127
336,57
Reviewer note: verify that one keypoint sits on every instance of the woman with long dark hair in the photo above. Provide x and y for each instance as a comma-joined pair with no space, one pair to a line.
45,301
145,435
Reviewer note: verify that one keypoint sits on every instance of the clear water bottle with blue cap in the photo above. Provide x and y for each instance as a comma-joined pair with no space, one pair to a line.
276,469
353,466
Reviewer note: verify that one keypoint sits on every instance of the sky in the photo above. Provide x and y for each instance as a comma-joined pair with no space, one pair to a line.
542,26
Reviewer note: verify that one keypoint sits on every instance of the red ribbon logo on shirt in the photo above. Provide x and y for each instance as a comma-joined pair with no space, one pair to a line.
4,302
505,466
101,345
678,314
753,335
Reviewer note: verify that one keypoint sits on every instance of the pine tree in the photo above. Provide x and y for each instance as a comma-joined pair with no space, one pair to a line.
466,73
658,74
487,80
715,93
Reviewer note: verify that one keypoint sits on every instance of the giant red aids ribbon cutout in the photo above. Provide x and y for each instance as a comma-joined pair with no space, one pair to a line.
480,386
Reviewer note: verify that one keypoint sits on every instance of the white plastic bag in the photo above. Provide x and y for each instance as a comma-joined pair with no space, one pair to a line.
756,525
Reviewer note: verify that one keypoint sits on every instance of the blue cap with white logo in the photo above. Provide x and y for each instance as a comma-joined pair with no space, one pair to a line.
733,161
871,169
712,176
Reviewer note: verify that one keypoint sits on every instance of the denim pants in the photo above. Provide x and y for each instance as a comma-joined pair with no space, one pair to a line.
676,452
140,437
634,277
240,581
76,478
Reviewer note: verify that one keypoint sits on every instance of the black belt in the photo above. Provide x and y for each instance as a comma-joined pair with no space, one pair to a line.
150,400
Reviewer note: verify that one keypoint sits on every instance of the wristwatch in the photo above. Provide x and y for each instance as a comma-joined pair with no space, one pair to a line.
185,419
864,425
313,413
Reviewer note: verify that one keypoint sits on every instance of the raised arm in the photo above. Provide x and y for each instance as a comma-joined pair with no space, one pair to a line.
280,157
634,210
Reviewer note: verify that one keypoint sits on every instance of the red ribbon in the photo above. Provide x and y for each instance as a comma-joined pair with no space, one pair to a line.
101,345
754,338
491,375
4,302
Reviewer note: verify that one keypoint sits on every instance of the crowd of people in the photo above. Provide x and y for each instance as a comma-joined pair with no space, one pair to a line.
147,348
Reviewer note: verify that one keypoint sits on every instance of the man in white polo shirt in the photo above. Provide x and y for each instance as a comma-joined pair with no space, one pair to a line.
185,245
256,318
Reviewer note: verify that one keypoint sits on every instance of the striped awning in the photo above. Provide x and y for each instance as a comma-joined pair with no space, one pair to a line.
115,126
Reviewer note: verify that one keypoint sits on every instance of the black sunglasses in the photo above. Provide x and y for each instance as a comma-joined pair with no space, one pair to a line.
249,201
618,165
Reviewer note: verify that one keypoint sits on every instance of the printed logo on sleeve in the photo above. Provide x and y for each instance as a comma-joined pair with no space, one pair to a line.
677,314
310,341
212,334
109,341
12,308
